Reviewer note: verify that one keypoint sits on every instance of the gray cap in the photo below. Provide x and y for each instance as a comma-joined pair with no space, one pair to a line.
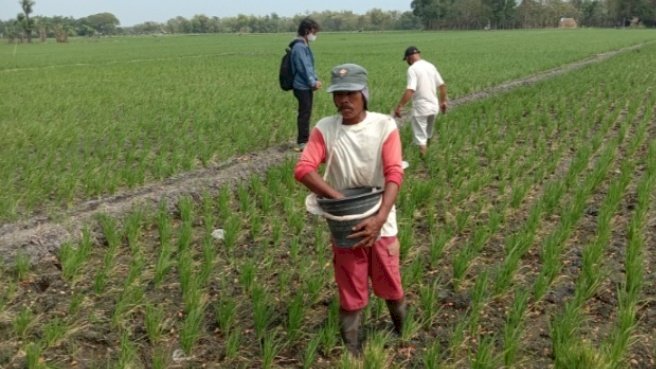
348,77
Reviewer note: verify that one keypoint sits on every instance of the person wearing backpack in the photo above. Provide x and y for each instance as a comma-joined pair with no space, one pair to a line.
305,78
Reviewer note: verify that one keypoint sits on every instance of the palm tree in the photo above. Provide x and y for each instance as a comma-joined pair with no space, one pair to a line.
27,5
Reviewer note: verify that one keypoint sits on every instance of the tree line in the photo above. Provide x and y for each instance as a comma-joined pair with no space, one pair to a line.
508,14
424,14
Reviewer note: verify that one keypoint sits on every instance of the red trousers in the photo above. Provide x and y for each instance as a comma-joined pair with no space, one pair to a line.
354,267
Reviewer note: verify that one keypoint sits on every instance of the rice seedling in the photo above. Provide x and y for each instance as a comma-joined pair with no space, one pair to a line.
127,351
129,300
160,359
224,203
296,221
33,352
457,337
113,238
22,266
310,353
270,349
22,322
313,286
295,315
320,240
256,223
192,327
478,298
165,256
232,228
460,264
484,357
431,357
330,330
186,209
233,344
133,224
437,242
54,331
244,198
7,293
406,241
410,325
69,260
247,275
414,272
154,322
186,273
429,303
137,265
185,237
262,311
207,213
225,313
375,355
75,304
513,328
208,260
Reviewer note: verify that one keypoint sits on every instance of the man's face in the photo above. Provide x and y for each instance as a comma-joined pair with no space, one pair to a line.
350,104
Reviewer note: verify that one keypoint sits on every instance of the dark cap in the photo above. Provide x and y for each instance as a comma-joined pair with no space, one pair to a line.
410,51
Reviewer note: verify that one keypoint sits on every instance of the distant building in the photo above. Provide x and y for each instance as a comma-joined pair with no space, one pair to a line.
567,23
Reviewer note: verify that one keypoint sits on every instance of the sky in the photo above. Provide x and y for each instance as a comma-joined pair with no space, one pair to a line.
131,12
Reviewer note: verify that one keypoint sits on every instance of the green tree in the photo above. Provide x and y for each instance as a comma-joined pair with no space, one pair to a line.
379,20
407,20
429,11
24,18
102,23
470,14
502,13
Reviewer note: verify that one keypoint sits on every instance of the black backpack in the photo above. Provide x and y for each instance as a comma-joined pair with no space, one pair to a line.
286,76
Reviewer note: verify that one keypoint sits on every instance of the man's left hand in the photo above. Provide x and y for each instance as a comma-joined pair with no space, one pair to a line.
369,229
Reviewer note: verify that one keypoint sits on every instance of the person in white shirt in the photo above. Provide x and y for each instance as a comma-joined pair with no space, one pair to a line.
423,82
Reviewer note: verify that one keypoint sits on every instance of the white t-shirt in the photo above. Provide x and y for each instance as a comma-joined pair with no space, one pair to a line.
424,79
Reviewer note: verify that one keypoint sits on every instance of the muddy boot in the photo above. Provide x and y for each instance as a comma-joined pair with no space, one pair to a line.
350,330
397,313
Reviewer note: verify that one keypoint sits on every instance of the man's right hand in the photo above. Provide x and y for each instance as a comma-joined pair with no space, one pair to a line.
317,86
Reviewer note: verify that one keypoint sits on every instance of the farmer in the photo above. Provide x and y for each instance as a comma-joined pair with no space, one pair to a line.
305,78
364,150
423,81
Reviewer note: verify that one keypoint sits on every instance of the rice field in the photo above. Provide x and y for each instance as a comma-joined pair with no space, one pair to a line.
98,116
527,237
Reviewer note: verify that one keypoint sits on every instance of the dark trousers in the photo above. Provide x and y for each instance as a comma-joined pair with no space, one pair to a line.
304,98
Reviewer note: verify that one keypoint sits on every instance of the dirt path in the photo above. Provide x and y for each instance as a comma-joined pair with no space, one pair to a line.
41,237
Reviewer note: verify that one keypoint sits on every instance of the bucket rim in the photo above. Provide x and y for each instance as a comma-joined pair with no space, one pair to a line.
375,191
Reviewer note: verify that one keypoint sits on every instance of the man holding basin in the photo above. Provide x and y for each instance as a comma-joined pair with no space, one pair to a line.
361,149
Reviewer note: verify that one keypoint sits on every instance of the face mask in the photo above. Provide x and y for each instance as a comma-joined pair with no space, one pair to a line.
311,37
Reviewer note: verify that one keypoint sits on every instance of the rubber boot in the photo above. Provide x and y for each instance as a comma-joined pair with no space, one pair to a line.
350,330
397,310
